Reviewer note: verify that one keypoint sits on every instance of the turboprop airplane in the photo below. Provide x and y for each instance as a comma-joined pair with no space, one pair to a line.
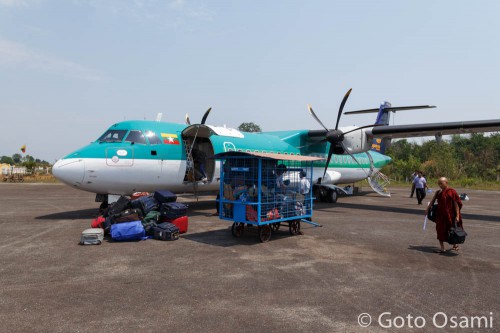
144,156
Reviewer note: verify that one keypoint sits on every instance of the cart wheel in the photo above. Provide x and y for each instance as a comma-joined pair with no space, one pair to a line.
264,233
275,226
294,227
237,229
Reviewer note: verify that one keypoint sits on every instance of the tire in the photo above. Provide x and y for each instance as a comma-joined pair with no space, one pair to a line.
237,229
323,194
294,227
332,196
265,233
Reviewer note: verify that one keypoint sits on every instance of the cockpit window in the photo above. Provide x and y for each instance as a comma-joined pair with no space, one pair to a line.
136,137
112,136
153,138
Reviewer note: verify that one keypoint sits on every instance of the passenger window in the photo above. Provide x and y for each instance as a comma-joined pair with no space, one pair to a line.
136,137
153,138
112,136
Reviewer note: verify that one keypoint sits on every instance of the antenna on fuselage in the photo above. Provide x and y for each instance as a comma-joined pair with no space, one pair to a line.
158,116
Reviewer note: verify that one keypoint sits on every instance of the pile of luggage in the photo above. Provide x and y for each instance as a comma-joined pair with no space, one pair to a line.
141,216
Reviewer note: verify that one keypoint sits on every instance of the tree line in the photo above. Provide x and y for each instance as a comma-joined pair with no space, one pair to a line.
470,159
27,161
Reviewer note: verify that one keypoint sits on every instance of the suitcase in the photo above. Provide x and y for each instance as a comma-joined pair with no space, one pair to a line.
166,231
120,205
128,215
179,222
163,196
92,236
127,231
173,210
146,204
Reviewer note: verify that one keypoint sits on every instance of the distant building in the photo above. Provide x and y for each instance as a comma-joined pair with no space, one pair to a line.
8,169
5,168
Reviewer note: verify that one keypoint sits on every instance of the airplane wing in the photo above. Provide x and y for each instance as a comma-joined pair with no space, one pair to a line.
419,130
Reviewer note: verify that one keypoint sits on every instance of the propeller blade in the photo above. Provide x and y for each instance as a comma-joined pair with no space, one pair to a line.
316,117
205,116
188,122
344,100
330,153
354,158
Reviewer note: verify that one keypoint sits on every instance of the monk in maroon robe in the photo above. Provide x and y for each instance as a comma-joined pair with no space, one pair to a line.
448,212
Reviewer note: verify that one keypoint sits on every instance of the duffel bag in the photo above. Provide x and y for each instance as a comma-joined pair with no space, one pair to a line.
128,215
150,221
127,231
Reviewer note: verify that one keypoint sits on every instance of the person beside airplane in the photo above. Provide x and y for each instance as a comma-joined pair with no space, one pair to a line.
448,212
412,178
420,186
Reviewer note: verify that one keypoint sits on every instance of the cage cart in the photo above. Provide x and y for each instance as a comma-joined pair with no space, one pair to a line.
265,190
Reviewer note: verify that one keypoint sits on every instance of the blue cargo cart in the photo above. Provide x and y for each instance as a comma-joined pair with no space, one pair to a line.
265,190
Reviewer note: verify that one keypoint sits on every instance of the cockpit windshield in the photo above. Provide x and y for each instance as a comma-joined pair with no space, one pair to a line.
136,137
153,138
113,136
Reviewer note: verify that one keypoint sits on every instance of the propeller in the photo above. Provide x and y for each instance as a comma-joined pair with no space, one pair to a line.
188,122
205,116
335,136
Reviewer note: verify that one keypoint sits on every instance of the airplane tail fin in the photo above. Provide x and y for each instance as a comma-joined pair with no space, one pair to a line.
383,117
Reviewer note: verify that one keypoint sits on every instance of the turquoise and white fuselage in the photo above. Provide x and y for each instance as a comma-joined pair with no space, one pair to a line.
146,156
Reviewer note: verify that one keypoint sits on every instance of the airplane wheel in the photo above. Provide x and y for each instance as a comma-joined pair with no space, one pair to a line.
332,196
104,205
265,233
294,227
237,229
323,195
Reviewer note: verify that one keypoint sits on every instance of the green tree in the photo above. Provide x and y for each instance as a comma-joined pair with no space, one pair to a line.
7,160
249,127
17,158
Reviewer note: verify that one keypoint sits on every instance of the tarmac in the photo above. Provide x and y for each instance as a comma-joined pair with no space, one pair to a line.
370,264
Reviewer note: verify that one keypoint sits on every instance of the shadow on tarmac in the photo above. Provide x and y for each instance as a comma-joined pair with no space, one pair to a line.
81,214
431,249
411,211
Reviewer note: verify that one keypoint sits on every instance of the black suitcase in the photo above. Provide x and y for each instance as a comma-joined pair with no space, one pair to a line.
166,231
119,206
173,210
146,204
163,196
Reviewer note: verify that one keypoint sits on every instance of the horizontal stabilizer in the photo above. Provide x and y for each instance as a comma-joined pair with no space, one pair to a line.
419,130
392,109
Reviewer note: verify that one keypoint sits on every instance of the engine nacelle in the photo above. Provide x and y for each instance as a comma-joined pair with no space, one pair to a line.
357,141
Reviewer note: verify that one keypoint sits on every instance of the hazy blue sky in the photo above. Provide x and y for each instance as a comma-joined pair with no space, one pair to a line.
69,69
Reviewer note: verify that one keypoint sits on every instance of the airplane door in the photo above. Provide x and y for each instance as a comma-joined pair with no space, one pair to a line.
120,157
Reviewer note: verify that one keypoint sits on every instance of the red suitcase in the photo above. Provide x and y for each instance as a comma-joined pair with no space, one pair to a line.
180,222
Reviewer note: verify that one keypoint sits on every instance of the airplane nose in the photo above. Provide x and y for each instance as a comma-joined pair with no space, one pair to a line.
69,171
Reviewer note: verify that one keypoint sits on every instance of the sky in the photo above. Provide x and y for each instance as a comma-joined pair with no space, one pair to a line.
69,69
